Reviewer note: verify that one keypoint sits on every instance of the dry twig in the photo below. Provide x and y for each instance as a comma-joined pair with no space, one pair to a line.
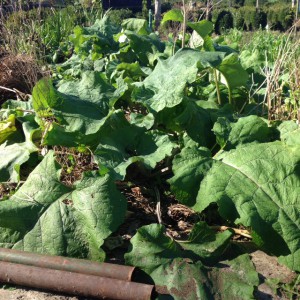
242,232
158,209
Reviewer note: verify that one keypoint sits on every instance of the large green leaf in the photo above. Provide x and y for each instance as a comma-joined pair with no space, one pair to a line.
176,267
139,26
165,86
151,248
20,213
93,87
258,185
203,28
200,36
122,144
46,216
204,242
96,40
45,97
253,59
147,48
140,120
73,120
292,260
174,15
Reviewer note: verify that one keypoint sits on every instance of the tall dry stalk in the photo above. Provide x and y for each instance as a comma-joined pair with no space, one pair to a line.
283,77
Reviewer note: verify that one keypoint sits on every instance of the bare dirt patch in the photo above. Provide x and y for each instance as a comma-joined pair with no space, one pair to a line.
269,269
26,294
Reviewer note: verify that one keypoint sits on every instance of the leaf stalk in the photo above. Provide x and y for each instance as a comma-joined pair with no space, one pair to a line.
217,86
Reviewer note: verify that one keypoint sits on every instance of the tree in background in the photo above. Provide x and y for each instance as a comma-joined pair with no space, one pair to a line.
157,13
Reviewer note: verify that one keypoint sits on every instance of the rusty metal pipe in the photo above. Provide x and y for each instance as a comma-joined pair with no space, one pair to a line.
73,283
67,264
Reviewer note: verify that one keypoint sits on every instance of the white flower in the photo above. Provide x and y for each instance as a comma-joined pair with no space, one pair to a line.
122,38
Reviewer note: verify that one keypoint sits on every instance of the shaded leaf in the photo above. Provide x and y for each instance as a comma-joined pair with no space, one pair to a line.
123,144
177,270
151,248
117,141
11,159
233,72
222,129
197,123
189,168
190,118
245,130
289,132
206,243
182,279
148,48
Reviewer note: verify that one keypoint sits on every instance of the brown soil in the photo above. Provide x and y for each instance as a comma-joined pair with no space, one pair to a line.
26,294
73,163
269,269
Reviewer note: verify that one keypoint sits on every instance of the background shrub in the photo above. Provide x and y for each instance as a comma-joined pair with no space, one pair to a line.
116,16
280,16
223,22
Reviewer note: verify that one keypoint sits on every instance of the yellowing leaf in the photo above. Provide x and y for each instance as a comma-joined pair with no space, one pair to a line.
7,127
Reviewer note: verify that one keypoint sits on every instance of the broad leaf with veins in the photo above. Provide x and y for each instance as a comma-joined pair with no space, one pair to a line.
48,217
258,185
178,268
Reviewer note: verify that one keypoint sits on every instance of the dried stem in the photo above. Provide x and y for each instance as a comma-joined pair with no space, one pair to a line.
158,209
241,232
